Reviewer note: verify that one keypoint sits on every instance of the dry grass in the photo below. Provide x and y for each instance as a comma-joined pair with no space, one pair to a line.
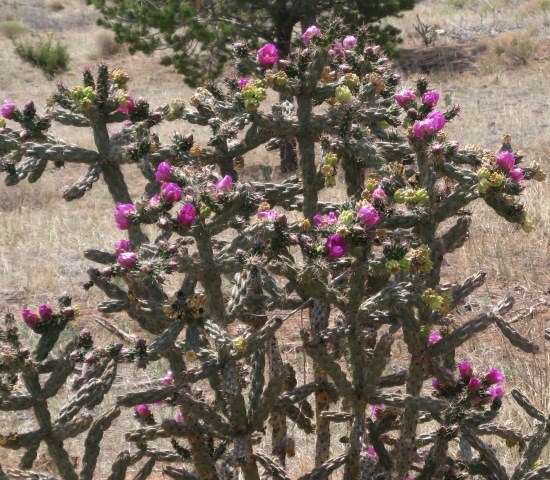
42,237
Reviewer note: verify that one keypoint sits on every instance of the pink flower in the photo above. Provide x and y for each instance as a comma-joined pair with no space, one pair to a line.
437,384
123,245
368,216
267,215
128,107
321,221
310,33
143,411
224,184
179,417
517,174
127,259
430,99
494,375
154,201
474,384
30,318
268,55
127,123
405,97
379,194
243,82
123,215
168,379
170,192
187,215
465,369
437,119
371,452
7,110
337,50
164,172
45,311
434,122
349,42
505,160
496,391
377,410
335,246
434,338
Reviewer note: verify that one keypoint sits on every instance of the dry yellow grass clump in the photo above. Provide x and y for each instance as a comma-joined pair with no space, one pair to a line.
490,57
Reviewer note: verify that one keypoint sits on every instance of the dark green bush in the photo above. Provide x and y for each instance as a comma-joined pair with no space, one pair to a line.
51,57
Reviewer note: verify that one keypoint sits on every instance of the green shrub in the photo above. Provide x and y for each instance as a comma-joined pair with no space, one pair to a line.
44,53
12,30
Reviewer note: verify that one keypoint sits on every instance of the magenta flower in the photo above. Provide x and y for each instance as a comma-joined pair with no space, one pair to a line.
430,98
143,411
437,384
337,50
496,391
310,33
224,184
123,245
178,417
505,160
405,97
377,410
379,194
154,201
268,55
128,107
7,110
267,215
368,216
170,192
335,246
45,311
434,122
127,259
187,215
371,452
434,338
517,174
168,379
349,42
164,172
321,221
474,384
465,369
30,318
123,215
437,119
243,82
494,375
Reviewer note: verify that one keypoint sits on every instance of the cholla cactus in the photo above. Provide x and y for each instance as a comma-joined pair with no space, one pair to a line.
365,269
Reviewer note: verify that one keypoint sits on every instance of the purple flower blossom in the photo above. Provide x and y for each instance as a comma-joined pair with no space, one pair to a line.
243,82
127,123
335,246
337,50
143,411
349,42
437,119
127,259
178,417
434,122
377,410
505,160
123,215
371,452
7,110
494,375
45,311
168,379
164,172
474,384
170,192
123,245
154,201
379,194
517,174
437,384
465,369
310,33
268,55
433,338
224,184
368,216
321,221
430,98
496,391
187,215
128,107
405,97
30,318
267,215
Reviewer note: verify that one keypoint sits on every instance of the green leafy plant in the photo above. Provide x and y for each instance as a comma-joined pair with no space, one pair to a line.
51,57
12,30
